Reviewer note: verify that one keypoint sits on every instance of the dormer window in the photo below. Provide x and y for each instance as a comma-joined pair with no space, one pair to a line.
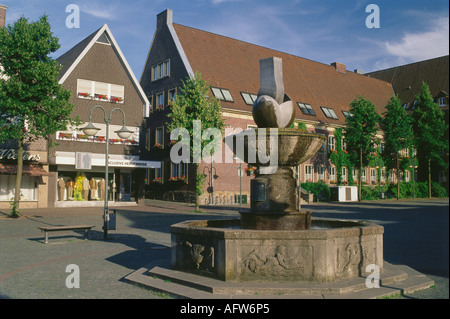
329,113
222,94
249,98
347,114
306,109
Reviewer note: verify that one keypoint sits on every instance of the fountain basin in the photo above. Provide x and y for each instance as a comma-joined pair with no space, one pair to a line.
291,146
331,250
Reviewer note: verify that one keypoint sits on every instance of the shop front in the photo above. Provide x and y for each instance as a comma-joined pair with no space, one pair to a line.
78,179
34,186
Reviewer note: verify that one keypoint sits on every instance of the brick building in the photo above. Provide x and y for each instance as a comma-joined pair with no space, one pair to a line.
321,92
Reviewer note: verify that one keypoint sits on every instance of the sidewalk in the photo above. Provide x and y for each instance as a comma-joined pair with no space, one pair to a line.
31,269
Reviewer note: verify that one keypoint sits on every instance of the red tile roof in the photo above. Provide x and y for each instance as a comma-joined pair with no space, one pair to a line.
234,65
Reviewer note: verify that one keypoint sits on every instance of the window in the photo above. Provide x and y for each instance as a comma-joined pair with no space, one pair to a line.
344,174
159,137
442,101
161,70
355,174
364,175
332,174
172,95
150,99
329,113
321,173
331,143
407,176
306,109
160,101
28,190
347,114
309,170
222,94
154,175
344,144
100,91
178,172
373,176
249,98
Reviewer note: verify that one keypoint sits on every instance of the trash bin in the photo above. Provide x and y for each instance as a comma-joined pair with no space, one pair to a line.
111,220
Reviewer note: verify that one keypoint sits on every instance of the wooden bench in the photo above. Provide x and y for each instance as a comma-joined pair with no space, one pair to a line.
46,230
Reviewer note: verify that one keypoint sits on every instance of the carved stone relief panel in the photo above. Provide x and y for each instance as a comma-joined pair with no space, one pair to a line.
278,262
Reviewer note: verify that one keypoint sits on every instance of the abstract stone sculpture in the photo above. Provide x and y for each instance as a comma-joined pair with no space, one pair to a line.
273,108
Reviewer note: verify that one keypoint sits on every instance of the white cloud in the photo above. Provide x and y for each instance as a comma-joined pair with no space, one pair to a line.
425,45
97,11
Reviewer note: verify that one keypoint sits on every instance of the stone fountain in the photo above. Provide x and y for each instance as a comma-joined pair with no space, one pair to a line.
274,241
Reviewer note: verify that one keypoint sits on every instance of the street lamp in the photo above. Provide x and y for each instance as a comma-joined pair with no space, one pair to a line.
413,168
124,133
212,176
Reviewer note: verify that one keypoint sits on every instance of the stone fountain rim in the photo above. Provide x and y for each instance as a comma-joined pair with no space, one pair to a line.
361,227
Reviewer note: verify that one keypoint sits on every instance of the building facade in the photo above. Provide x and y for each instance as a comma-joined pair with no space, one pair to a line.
322,94
103,86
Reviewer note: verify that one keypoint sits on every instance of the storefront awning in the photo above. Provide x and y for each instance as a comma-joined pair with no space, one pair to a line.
29,170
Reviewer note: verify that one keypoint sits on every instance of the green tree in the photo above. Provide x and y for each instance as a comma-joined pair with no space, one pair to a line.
32,103
398,135
360,133
429,135
192,104
339,157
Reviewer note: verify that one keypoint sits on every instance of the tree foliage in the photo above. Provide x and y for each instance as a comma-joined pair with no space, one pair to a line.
192,104
398,134
32,103
429,134
360,134
339,157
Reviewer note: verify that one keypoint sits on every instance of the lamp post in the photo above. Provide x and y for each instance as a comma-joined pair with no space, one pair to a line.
413,167
212,176
124,133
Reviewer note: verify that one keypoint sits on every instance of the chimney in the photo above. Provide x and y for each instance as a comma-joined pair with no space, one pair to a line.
339,67
164,18
3,15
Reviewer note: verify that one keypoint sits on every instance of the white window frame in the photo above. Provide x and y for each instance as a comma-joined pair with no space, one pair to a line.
222,94
442,101
309,175
333,176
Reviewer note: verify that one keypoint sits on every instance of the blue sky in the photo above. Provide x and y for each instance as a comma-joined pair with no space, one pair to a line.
321,30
